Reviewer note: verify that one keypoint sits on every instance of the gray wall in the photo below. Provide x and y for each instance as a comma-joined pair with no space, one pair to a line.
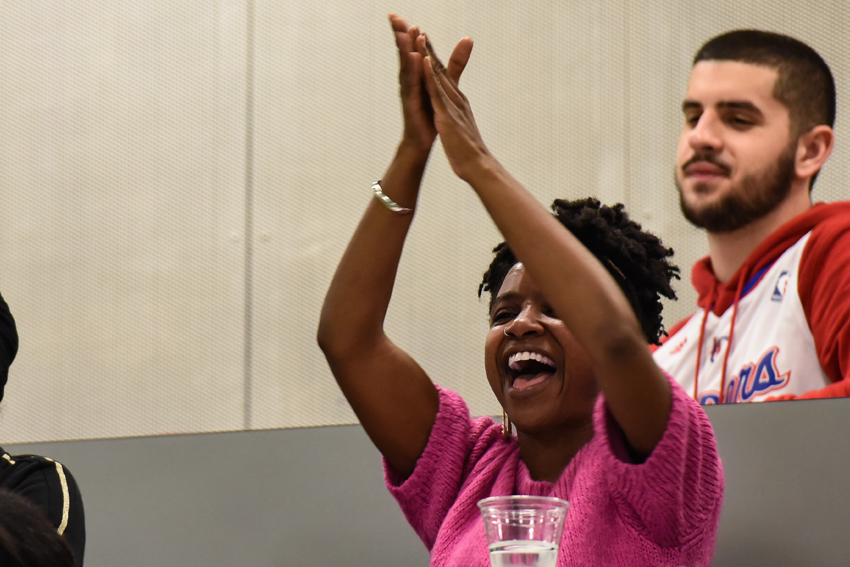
306,497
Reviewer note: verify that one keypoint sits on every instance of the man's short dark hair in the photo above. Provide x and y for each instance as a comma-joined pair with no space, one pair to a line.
804,85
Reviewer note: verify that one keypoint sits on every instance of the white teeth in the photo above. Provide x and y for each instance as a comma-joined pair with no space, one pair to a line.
517,357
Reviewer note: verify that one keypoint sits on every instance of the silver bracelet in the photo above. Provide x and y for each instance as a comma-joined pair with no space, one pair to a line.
387,202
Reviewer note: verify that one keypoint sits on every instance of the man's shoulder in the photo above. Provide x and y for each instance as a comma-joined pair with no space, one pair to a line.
17,469
830,235
822,225
832,217
825,216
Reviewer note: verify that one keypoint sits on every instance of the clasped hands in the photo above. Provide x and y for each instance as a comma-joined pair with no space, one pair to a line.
433,103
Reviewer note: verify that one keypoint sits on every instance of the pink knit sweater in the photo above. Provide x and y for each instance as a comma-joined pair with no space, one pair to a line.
663,512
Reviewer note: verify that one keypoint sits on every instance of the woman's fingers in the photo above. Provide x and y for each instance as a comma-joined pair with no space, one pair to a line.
459,59
410,74
398,23
443,81
438,96
432,55
413,32
436,92
416,106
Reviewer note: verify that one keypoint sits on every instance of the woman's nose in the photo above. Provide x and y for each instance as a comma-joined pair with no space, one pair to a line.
527,322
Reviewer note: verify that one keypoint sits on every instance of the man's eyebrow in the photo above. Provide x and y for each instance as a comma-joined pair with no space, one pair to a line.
740,105
725,105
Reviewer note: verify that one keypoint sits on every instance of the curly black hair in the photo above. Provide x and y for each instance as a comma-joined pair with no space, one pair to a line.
636,259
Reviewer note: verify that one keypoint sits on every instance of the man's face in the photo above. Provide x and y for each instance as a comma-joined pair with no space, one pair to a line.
735,161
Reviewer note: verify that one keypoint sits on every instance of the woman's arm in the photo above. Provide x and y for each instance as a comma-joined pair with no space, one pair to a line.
390,393
577,286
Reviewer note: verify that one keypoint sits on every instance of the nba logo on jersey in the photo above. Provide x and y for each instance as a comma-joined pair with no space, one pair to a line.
781,286
717,346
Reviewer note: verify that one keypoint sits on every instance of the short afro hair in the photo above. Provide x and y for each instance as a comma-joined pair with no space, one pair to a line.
636,259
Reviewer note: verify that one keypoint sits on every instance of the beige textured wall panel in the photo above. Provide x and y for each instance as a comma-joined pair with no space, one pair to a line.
139,142
663,38
547,82
122,134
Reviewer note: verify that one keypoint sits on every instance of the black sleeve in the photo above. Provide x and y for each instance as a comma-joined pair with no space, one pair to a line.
52,488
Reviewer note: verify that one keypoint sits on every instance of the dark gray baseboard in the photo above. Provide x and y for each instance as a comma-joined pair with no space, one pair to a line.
306,497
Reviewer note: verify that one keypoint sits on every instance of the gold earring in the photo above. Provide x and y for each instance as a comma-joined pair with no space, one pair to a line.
506,424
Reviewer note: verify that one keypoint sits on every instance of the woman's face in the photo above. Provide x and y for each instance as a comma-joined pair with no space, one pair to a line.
538,371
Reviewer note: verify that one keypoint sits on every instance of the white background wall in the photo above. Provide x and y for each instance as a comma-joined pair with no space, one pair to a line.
179,178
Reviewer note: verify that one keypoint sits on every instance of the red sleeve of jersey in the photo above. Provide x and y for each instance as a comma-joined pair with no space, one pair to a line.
824,288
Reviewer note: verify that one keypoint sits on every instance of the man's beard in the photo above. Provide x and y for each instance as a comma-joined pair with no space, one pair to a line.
755,197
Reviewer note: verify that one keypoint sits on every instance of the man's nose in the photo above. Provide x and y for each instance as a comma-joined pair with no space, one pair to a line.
705,134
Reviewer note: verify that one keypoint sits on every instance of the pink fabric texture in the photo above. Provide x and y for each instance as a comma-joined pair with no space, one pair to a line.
663,512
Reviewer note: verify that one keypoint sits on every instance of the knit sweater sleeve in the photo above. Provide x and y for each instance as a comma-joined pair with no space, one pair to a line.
454,444
674,497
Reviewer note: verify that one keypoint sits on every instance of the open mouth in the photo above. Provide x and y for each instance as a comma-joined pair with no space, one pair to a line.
526,369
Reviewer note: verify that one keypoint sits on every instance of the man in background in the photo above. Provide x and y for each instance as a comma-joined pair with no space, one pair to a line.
773,317
40,480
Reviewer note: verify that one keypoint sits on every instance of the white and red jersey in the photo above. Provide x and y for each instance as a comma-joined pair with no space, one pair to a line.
787,311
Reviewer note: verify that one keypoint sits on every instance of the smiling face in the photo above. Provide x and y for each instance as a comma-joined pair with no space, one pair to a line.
538,371
736,160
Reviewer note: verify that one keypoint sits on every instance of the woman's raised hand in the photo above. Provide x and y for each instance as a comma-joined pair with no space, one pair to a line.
419,129
453,117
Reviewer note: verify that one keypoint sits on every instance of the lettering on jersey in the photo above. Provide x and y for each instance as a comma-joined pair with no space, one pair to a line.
716,346
757,378
679,346
709,398
780,287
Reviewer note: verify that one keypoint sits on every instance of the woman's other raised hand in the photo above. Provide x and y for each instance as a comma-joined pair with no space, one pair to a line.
419,128
453,118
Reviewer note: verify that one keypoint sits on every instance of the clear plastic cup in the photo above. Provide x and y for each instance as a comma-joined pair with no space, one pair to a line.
523,530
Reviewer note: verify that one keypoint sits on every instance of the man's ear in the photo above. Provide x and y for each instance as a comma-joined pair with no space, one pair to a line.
813,149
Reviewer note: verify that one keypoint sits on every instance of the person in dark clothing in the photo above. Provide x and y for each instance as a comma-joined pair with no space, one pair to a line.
42,481
27,538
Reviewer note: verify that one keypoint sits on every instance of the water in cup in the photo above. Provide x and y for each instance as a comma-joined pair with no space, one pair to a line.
523,552
523,530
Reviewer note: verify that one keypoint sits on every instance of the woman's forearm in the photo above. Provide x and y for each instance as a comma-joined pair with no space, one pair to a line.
359,294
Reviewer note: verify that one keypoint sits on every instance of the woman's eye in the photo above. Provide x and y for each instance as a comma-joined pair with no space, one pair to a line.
502,316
